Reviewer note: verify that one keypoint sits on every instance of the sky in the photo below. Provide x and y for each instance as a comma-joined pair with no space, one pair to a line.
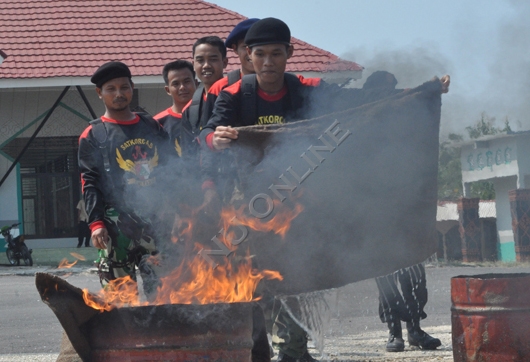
484,45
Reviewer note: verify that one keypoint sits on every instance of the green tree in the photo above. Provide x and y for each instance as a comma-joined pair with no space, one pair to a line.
450,169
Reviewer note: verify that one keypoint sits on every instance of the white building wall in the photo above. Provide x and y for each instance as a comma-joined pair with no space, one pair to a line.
506,247
523,150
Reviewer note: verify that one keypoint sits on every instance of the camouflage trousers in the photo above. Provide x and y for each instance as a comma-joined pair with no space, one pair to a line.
124,255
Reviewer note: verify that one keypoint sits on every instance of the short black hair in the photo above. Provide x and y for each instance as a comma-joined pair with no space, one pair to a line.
214,41
176,65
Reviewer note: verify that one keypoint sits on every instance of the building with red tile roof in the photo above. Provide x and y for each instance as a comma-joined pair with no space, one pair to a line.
52,41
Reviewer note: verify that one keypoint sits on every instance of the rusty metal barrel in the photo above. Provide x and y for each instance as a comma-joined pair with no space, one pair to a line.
490,317
213,332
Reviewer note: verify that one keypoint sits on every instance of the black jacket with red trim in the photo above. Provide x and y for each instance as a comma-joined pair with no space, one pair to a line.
137,151
309,97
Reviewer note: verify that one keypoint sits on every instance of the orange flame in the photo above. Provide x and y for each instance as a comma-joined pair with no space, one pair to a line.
235,281
280,223
201,284
119,292
64,264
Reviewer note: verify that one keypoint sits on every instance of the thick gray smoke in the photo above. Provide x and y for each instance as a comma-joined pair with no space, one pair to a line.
500,88
506,95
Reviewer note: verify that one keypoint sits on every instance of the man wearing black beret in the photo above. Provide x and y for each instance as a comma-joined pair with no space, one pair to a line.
109,71
120,159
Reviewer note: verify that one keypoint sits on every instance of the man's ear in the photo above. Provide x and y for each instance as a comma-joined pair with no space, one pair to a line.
225,62
167,89
249,51
132,84
98,91
290,51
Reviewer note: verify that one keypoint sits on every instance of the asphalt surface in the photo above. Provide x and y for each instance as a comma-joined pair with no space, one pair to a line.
352,329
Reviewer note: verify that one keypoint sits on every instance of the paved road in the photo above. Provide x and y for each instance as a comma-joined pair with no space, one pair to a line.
30,332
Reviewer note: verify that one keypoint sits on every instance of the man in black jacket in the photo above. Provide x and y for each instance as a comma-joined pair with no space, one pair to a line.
121,156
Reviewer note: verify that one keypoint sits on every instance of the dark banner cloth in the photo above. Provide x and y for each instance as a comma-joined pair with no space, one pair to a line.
366,179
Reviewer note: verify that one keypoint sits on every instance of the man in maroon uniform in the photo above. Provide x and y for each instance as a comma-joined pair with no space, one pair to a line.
121,156
209,61
179,77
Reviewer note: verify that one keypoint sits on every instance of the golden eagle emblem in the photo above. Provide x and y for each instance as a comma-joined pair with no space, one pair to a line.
141,167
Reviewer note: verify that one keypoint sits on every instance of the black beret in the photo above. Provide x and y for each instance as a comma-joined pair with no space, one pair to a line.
109,71
239,32
268,31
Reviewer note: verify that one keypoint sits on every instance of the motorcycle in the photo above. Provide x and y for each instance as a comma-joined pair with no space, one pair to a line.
16,249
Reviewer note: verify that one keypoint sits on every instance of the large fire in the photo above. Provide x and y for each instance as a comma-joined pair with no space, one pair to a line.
195,281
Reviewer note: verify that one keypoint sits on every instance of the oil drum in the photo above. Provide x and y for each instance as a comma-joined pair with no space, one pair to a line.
490,317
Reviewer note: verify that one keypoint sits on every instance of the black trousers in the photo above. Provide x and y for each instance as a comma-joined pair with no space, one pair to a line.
406,304
83,232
